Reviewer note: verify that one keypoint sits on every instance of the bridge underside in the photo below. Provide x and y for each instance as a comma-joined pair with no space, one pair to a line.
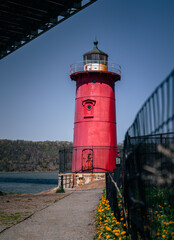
23,21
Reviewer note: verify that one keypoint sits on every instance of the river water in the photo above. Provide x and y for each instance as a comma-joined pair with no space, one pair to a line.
30,182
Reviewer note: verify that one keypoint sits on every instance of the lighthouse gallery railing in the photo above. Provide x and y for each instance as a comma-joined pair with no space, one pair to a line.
81,66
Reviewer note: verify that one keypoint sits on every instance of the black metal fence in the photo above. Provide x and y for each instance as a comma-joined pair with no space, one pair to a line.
149,184
157,113
93,158
65,160
87,159
112,190
147,173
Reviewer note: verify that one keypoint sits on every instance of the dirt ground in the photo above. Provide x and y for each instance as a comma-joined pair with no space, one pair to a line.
92,185
14,208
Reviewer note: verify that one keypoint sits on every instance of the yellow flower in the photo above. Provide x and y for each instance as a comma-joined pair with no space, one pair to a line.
163,236
123,233
108,228
117,234
108,236
121,219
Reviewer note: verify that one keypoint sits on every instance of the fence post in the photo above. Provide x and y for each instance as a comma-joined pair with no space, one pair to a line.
92,158
61,181
64,158
75,159
116,178
111,195
107,184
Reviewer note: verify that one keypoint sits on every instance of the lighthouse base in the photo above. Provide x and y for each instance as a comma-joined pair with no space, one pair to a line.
73,180
85,178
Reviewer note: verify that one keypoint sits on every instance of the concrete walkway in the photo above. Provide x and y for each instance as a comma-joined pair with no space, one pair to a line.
71,218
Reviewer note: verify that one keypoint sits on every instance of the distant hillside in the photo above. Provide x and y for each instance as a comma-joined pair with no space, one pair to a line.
23,155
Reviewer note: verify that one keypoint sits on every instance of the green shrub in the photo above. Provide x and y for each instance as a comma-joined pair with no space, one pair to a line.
60,190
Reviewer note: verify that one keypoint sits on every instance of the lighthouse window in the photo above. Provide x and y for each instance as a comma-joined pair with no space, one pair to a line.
89,107
95,56
94,81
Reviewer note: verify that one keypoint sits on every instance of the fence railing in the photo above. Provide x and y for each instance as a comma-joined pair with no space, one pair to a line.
147,176
145,188
148,180
149,184
157,113
87,159
93,158
65,181
65,159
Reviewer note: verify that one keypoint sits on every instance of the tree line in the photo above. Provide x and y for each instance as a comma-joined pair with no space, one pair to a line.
20,155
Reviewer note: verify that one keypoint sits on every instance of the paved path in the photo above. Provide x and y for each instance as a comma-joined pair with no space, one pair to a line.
71,218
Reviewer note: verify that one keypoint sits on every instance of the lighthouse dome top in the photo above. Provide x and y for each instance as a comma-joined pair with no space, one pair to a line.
95,50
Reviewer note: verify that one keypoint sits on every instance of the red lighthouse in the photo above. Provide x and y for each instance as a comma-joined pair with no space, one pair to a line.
94,144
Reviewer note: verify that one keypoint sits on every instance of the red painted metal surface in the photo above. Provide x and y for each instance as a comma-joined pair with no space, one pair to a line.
94,144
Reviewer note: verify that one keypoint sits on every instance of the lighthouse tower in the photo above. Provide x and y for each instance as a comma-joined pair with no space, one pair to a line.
94,144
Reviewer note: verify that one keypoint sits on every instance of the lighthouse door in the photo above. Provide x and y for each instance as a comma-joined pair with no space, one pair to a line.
87,160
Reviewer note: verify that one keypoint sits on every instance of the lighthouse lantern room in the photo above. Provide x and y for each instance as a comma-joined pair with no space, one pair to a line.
95,144
95,60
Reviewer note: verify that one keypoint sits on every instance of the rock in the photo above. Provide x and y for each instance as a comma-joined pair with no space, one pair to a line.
2,193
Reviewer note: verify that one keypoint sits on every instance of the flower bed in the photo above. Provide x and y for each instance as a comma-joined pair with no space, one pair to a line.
107,225
160,218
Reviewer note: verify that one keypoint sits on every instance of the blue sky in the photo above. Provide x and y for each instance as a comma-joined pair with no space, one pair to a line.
37,97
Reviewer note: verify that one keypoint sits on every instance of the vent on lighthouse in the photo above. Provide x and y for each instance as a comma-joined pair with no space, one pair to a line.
88,105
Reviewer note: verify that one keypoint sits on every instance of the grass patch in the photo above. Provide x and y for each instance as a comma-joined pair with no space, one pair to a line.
10,219
49,201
